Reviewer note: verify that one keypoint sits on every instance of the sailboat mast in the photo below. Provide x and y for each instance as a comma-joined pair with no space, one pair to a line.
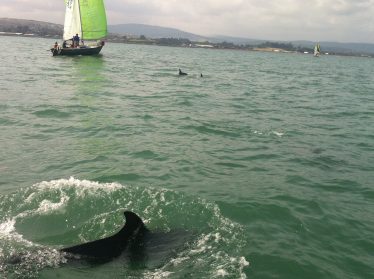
80,18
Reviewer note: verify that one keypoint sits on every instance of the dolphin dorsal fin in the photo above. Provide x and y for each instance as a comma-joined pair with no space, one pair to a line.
133,224
132,219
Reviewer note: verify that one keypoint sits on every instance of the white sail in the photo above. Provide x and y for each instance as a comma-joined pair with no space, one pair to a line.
72,24
317,50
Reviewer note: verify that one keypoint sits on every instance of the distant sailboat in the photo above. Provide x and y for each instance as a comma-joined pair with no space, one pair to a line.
84,20
317,50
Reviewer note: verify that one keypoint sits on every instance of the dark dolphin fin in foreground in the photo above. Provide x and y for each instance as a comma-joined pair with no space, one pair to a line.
111,247
133,246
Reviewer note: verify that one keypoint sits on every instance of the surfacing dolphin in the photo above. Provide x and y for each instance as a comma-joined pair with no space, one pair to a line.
182,73
133,245
111,247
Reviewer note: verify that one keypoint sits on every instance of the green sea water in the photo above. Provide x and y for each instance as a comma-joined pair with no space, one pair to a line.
267,161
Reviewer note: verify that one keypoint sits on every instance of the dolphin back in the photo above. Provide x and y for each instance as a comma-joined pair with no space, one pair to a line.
112,246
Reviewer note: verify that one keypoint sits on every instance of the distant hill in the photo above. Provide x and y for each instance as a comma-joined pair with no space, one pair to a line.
235,40
39,28
344,48
154,32
44,29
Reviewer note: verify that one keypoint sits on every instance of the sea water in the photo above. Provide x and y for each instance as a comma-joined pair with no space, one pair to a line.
267,160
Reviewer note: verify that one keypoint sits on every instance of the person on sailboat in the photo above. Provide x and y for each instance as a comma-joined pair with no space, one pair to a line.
76,40
64,44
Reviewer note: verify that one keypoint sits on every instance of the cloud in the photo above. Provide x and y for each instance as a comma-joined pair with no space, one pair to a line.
341,20
35,9
344,20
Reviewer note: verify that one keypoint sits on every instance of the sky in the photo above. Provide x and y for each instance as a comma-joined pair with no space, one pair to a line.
314,20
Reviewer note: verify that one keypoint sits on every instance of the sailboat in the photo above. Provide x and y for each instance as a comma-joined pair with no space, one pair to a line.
85,20
317,50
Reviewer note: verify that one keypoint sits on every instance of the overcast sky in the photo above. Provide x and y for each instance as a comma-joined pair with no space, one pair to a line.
315,20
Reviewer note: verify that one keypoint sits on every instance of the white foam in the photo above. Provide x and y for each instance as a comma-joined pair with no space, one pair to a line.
268,133
158,274
243,262
78,184
8,231
7,227
217,237
202,244
29,198
47,206
279,134
221,273
177,261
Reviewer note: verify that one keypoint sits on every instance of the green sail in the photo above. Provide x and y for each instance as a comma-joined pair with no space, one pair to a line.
93,19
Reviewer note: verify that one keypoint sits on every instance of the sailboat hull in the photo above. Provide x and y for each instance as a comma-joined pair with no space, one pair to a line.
76,51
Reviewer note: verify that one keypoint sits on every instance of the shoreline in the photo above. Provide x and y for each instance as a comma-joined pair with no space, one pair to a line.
184,43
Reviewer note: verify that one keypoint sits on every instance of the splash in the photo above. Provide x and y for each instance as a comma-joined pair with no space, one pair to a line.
75,211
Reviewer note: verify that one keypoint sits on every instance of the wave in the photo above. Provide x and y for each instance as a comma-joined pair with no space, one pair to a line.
36,221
